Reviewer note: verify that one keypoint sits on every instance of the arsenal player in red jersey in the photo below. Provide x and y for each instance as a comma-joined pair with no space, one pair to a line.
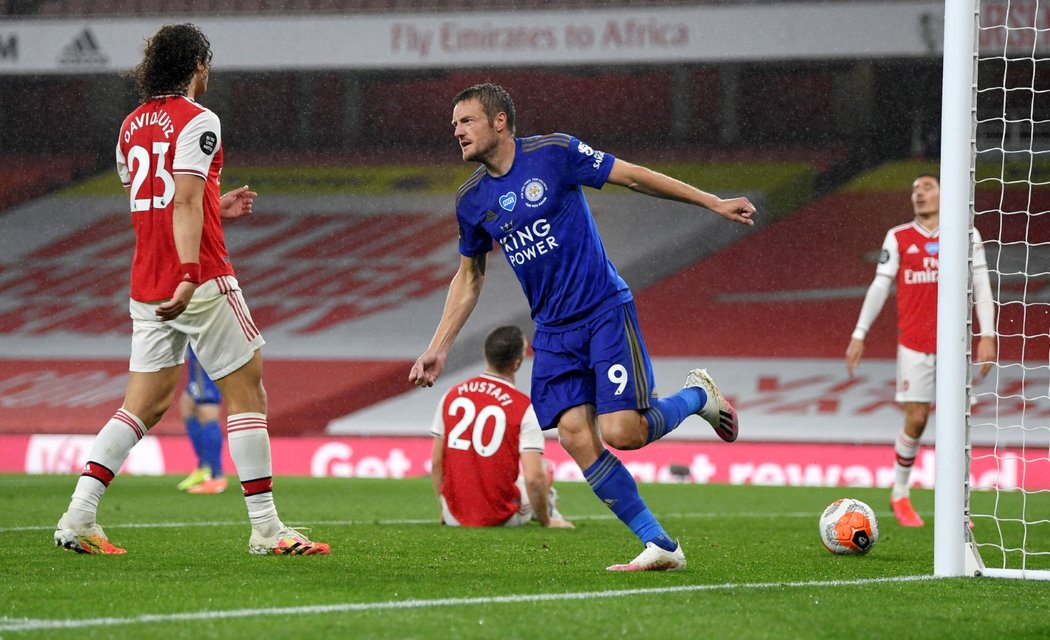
909,256
483,428
183,290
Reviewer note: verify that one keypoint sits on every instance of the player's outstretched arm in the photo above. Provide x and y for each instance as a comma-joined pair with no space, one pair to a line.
652,183
236,203
463,296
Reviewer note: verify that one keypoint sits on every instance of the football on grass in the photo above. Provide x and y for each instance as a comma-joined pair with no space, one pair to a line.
848,527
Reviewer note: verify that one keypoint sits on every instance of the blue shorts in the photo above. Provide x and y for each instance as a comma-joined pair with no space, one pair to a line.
200,387
602,362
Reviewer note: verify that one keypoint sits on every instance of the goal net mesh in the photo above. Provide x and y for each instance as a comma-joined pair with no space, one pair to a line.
1010,419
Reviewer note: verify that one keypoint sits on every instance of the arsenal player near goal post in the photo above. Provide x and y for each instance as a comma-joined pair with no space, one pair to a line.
909,256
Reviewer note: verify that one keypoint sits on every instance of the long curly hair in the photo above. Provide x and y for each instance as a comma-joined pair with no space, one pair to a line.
171,59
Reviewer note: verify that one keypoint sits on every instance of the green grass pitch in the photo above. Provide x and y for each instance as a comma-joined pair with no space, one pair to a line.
756,570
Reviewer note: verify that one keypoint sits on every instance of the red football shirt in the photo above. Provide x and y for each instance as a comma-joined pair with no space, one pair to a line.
910,254
485,424
164,137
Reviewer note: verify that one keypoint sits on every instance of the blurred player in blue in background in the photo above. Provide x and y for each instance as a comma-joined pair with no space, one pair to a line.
199,406
592,377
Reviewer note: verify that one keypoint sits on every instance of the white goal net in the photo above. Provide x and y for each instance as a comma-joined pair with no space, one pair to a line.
1009,423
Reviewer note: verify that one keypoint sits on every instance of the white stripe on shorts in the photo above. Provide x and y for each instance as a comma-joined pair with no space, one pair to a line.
236,302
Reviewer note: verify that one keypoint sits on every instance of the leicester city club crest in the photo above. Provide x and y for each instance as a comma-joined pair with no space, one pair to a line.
534,192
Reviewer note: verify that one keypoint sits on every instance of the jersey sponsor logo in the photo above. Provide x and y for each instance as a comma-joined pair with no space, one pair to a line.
208,142
926,275
508,200
529,242
587,150
884,257
84,51
535,192
933,247
912,249
507,226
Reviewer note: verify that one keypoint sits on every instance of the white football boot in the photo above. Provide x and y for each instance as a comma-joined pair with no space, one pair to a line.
84,538
653,558
717,412
287,542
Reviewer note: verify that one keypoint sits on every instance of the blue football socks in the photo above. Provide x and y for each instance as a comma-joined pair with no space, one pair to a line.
211,447
193,430
665,416
616,488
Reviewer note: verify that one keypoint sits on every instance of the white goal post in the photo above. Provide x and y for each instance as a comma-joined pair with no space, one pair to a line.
1014,542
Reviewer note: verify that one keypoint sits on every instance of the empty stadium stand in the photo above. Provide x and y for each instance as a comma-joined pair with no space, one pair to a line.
23,177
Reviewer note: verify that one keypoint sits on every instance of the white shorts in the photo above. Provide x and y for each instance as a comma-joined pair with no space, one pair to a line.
916,376
216,323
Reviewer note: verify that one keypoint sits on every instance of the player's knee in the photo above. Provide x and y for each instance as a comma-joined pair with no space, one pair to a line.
243,392
623,436
248,400
623,430
579,441
259,397
917,414
572,440
186,406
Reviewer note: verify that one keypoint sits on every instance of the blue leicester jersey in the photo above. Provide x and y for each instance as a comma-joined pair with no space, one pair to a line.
539,217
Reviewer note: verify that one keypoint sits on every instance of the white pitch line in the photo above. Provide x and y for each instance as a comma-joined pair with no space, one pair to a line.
384,521
28,624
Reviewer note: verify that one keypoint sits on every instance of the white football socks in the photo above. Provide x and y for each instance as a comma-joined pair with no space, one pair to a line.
250,449
111,448
906,448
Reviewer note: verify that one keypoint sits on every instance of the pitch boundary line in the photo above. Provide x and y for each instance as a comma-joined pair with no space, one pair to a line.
29,624
388,521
